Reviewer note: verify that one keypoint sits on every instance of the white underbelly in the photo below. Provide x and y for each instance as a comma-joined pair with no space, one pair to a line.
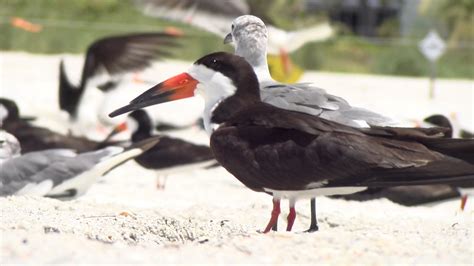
311,193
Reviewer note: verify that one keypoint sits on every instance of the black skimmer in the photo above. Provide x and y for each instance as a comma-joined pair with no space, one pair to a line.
465,189
293,155
215,17
35,138
112,56
416,195
169,155
251,39
58,173
406,195
440,120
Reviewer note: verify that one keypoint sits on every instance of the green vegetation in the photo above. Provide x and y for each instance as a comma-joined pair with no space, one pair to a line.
69,26
352,54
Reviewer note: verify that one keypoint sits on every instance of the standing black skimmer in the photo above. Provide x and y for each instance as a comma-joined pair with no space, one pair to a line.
112,56
34,138
293,155
169,155
58,173
251,39
216,16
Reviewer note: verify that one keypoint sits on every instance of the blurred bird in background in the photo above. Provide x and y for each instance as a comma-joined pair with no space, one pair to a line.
107,60
217,16
37,138
58,173
170,155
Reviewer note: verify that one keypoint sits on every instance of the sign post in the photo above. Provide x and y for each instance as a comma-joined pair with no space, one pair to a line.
432,47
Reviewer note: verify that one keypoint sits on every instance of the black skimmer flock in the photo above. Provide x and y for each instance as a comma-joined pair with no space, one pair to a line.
251,39
169,155
216,16
58,173
35,138
107,59
293,155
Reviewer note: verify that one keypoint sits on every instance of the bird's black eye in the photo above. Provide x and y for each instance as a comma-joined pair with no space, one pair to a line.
216,64
233,26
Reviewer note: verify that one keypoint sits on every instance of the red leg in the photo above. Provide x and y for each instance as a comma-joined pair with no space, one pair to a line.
291,218
161,182
137,78
463,202
286,61
274,217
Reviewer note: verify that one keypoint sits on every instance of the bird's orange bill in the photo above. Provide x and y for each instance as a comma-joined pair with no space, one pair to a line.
118,129
175,88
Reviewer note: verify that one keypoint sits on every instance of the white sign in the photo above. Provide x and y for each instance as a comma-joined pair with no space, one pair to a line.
432,46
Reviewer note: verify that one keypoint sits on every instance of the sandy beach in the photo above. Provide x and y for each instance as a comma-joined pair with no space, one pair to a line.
207,216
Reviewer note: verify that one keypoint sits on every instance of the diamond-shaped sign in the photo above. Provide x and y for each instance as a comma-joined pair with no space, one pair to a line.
432,46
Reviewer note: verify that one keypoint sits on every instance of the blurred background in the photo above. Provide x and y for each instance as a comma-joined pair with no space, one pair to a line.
374,36
65,80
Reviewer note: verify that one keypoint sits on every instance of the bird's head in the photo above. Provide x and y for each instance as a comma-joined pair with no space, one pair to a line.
250,37
216,77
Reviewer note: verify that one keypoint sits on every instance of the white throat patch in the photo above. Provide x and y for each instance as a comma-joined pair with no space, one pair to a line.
132,125
213,87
